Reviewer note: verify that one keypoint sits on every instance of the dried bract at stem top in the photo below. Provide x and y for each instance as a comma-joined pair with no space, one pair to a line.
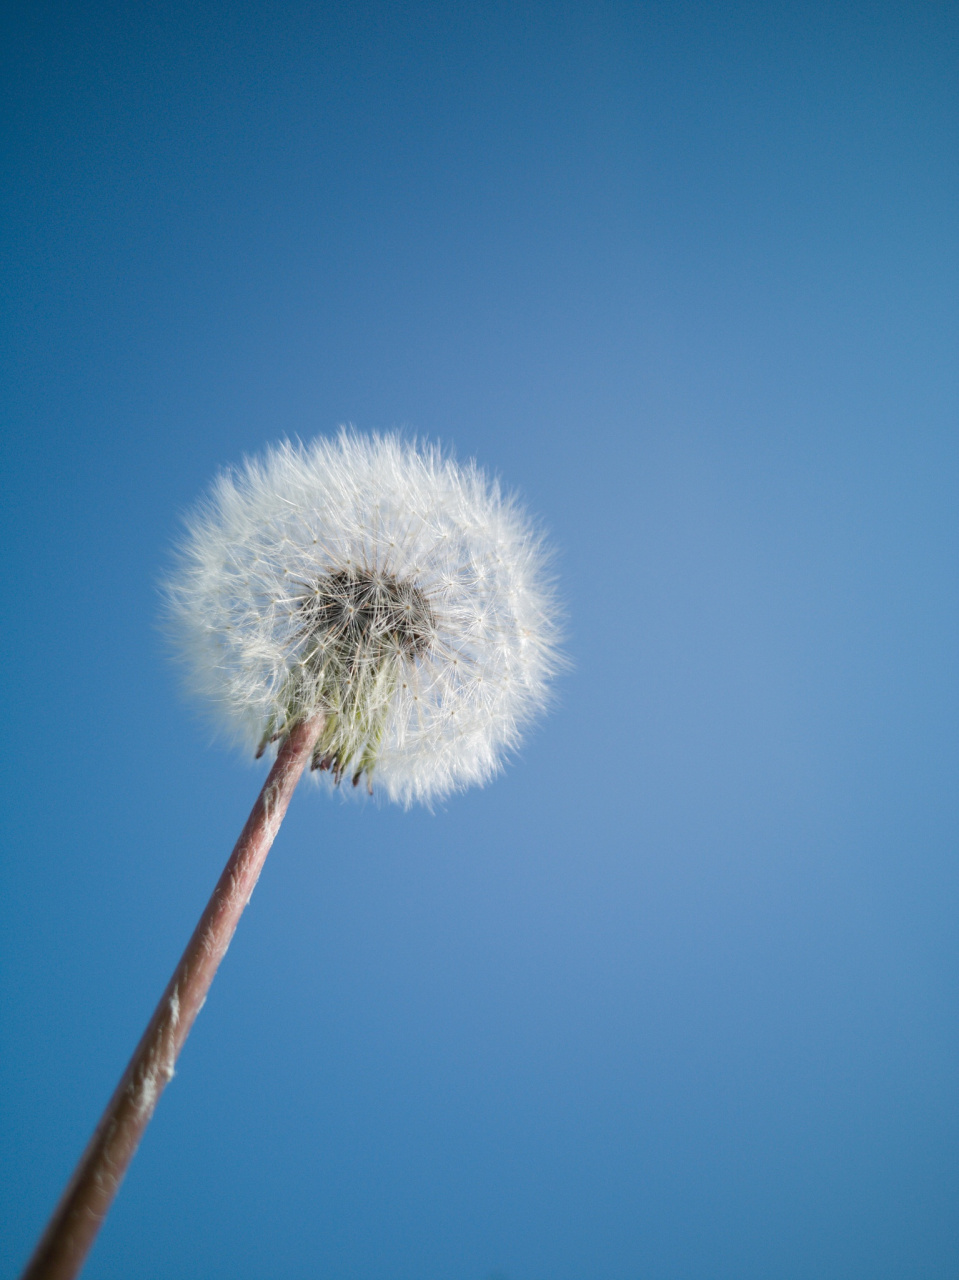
359,631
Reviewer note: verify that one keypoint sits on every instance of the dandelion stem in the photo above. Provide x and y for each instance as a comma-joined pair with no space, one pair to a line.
89,1194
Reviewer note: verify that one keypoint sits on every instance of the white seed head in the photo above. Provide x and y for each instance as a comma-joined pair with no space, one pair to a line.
401,594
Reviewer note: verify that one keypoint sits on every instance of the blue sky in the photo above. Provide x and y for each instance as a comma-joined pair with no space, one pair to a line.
676,995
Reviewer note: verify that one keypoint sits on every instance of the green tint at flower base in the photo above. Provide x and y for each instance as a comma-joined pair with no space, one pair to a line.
359,630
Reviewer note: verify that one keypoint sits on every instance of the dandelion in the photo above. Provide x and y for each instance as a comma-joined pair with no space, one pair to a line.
360,606
397,593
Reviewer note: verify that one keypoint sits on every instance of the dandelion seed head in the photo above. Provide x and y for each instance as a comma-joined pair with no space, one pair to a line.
381,583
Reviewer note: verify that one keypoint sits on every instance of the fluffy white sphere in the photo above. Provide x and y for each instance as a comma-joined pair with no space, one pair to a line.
381,583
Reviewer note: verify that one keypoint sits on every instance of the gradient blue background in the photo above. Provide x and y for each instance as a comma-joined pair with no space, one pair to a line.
677,995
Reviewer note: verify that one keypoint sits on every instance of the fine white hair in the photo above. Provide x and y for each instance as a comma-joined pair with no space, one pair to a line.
368,526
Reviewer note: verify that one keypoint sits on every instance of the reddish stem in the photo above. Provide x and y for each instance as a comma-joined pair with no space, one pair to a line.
89,1194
